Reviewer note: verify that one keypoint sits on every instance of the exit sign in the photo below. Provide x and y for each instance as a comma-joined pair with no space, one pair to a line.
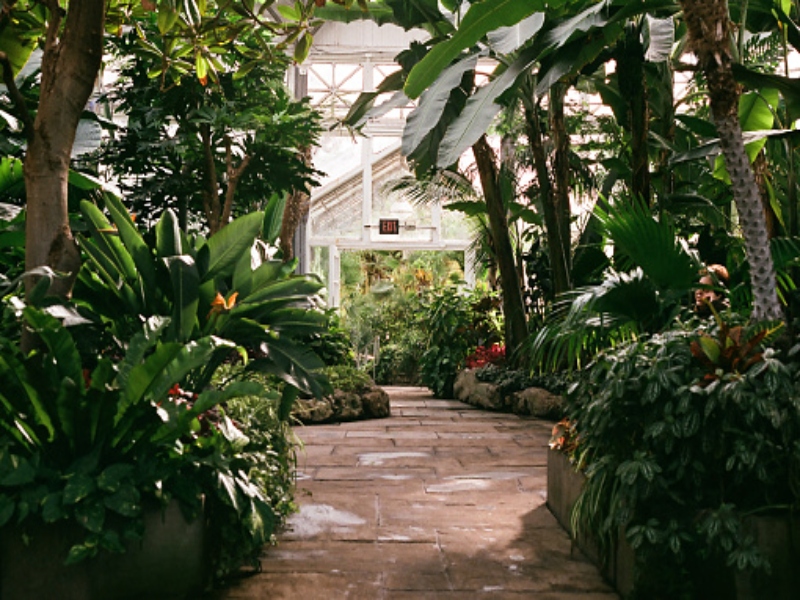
389,226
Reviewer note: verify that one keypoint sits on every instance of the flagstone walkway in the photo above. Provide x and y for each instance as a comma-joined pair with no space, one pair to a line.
440,500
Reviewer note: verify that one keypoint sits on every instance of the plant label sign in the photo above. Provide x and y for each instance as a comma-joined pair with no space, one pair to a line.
389,226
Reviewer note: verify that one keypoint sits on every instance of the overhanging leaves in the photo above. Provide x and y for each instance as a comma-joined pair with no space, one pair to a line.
480,19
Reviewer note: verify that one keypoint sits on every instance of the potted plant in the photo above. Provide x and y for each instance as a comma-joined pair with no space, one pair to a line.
687,440
98,453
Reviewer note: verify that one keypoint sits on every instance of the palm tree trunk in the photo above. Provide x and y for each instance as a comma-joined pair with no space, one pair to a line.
513,307
708,26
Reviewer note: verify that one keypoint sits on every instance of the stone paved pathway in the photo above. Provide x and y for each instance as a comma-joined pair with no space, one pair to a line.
438,501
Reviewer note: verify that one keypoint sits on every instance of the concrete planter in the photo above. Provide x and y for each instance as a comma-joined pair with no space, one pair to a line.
564,486
169,562
778,537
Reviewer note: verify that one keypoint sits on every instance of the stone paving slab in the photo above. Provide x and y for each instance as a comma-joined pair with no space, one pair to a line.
439,501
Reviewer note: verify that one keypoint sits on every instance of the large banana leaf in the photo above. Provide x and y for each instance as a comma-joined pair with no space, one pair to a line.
481,109
432,104
481,18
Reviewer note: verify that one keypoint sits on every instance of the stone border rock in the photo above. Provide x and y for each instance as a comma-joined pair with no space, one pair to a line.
536,402
368,403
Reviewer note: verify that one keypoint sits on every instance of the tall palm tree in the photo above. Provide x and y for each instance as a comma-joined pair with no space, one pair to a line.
708,25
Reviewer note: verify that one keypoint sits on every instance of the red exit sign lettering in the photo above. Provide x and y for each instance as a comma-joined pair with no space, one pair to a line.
389,226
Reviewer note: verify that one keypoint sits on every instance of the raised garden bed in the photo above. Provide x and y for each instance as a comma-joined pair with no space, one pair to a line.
777,535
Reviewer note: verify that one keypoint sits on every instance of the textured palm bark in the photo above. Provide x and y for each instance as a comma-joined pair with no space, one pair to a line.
559,232
297,206
513,307
70,64
708,26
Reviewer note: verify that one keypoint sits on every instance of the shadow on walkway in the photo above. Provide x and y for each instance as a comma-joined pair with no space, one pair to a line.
438,501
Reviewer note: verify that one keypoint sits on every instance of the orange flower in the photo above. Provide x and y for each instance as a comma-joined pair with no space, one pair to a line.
220,305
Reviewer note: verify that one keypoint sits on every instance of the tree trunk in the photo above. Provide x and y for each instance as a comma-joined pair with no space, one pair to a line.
70,65
297,205
513,307
708,26
630,69
562,213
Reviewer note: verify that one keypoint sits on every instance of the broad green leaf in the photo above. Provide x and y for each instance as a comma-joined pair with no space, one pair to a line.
168,235
7,507
432,104
125,501
59,342
789,87
140,346
78,487
185,296
481,18
21,473
364,106
113,476
168,365
510,39
136,246
16,41
167,17
290,13
227,245
91,516
481,110
273,217
303,47
710,347
105,236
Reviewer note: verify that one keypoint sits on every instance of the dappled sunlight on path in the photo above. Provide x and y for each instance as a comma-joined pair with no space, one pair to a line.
438,501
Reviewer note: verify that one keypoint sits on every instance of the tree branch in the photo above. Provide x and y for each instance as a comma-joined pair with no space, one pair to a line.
51,45
16,96
210,183
234,175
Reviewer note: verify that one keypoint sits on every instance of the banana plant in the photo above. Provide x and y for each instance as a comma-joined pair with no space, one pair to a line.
223,286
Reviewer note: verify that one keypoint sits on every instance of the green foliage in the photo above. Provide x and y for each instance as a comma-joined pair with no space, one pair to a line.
333,345
268,458
656,274
182,130
677,461
348,379
12,242
456,324
100,445
222,286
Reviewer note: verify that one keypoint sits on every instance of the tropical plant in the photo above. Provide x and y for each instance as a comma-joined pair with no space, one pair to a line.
222,286
455,327
72,37
677,461
212,149
653,279
97,439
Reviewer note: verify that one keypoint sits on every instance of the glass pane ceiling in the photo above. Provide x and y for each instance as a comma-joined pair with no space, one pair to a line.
352,199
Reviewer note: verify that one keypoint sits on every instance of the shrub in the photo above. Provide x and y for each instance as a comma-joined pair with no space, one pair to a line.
677,460
456,323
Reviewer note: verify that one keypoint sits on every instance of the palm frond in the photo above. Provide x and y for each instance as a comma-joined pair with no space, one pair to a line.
442,186
642,241
595,317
